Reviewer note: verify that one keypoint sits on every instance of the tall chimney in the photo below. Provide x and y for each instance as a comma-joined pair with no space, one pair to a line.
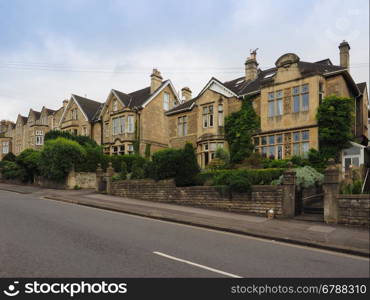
186,93
344,54
156,80
65,103
251,65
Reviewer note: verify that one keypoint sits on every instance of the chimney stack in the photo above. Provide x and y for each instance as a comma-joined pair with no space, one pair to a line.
251,71
156,80
186,93
65,103
344,54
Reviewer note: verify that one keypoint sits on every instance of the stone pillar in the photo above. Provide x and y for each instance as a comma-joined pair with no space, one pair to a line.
109,174
99,178
331,190
289,180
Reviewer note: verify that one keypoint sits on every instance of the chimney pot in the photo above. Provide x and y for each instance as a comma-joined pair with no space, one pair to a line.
156,80
344,54
251,71
186,93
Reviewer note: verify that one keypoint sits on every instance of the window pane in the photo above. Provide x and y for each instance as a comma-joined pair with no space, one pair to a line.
305,147
271,96
264,140
211,109
305,135
305,88
355,161
279,138
271,139
272,152
213,146
305,100
296,104
279,94
220,118
205,121
210,120
256,141
279,152
166,101
279,107
271,109
264,151
296,90
296,136
296,149
205,110
220,107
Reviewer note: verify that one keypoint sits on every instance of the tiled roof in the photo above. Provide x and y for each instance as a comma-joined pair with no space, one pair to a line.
137,98
90,107
185,106
242,87
361,86
24,119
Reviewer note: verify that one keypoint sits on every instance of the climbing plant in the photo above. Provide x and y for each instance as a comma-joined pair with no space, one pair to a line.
335,117
240,126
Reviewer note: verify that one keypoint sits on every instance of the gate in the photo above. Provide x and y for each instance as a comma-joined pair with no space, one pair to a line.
309,203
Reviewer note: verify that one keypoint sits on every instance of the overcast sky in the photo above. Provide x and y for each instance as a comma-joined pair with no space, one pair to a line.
50,49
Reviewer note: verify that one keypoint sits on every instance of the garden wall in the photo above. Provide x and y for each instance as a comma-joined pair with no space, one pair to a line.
257,202
85,180
354,209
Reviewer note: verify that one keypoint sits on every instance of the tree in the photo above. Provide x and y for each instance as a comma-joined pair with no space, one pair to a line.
188,167
81,139
59,156
335,117
9,157
239,128
29,160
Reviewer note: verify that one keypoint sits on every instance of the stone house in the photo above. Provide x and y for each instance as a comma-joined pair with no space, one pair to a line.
138,116
80,117
6,131
286,97
200,120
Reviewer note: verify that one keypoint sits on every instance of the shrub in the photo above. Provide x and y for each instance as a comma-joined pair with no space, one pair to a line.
187,166
9,157
137,172
128,159
233,182
305,177
59,156
147,151
81,139
123,172
317,160
93,156
29,160
253,161
254,176
11,170
221,160
165,163
352,188
148,169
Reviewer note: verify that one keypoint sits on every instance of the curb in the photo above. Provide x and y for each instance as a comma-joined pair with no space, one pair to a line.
14,191
317,245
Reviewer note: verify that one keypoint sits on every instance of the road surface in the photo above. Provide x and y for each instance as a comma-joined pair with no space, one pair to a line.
46,238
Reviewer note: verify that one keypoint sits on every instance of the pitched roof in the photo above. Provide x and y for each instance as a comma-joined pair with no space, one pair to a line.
37,114
185,106
89,107
136,98
24,119
361,86
242,87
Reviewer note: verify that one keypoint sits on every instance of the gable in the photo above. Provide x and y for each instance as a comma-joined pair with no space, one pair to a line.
72,103
219,88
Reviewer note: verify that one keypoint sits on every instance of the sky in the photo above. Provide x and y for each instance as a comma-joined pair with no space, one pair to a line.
50,49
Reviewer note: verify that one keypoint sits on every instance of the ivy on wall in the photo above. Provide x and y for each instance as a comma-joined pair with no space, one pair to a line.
239,128
335,117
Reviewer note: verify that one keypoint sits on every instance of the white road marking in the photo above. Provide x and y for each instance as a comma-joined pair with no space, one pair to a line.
197,265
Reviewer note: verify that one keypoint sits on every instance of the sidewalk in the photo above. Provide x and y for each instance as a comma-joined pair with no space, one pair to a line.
352,240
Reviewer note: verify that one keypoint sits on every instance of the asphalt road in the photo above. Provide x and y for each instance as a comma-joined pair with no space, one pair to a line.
46,238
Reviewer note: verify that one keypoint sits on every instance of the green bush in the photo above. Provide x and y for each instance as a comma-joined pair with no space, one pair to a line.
123,172
11,170
354,188
81,139
233,181
254,176
187,167
128,159
59,156
317,160
9,157
305,177
137,172
29,160
148,169
165,163
93,156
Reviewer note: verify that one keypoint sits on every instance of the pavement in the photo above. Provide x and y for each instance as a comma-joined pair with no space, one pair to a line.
351,240
46,238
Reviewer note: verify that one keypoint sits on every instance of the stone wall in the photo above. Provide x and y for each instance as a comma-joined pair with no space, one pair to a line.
257,202
354,209
85,180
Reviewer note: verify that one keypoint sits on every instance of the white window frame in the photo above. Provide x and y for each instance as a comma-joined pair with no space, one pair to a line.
130,124
166,101
5,147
